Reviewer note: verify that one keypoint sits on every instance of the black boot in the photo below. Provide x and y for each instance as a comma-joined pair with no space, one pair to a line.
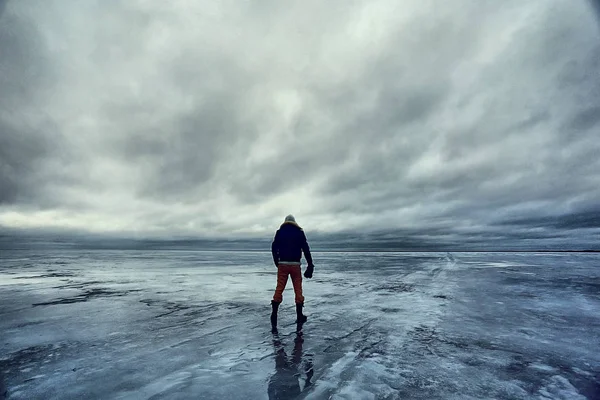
275,306
300,318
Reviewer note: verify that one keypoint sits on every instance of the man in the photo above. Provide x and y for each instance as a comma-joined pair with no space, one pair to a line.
287,248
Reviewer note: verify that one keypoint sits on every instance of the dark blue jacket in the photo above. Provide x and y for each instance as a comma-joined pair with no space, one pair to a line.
289,243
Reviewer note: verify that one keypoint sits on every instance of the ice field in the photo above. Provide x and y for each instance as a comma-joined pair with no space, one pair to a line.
195,325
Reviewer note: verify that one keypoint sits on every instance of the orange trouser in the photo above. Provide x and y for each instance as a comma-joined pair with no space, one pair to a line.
283,271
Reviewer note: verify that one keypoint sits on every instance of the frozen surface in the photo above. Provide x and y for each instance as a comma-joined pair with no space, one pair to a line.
183,325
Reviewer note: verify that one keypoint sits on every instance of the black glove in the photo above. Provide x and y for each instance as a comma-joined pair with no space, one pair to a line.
309,271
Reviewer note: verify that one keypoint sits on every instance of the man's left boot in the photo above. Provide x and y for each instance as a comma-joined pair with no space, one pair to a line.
275,307
300,318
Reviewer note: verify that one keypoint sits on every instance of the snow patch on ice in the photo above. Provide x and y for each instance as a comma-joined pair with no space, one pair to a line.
559,388
160,386
542,367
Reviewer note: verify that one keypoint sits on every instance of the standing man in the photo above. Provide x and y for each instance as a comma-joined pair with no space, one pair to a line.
287,248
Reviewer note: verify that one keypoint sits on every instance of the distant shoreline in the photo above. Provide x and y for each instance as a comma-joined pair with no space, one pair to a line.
266,250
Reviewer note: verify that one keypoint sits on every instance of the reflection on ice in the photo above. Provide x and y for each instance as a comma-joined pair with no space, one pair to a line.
293,373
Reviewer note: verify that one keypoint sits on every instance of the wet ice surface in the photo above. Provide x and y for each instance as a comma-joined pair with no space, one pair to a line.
181,325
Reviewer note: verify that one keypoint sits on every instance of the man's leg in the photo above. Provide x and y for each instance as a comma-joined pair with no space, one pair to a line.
282,278
296,273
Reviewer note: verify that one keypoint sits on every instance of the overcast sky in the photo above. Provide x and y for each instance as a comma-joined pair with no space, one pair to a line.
456,118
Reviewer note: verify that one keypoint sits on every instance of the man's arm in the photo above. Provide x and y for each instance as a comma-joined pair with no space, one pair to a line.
311,267
275,249
306,250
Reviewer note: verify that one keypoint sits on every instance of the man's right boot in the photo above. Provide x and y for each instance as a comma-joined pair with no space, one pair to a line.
275,307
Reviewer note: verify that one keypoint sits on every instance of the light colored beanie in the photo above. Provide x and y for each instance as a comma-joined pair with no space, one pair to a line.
290,218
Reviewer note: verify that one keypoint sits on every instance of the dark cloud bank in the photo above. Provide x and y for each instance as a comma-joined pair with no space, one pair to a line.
472,125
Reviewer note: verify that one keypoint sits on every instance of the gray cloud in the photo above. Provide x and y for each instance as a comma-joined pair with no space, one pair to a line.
27,134
595,4
584,219
468,122
585,120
